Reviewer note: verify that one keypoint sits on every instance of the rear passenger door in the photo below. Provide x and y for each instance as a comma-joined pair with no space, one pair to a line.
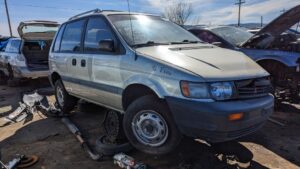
77,74
106,81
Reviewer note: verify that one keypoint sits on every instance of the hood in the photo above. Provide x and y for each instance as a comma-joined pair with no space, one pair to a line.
277,26
210,62
37,30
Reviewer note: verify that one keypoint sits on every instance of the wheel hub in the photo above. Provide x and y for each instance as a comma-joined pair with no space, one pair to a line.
150,128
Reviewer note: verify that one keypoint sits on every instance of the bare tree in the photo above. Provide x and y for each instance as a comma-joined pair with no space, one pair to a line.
179,12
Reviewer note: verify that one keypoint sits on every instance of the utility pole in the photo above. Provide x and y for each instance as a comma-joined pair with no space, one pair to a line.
261,21
8,19
240,2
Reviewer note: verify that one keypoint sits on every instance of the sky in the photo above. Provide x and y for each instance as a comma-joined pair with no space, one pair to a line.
208,12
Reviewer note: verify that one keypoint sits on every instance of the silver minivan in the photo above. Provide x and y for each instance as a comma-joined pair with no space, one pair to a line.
27,56
164,80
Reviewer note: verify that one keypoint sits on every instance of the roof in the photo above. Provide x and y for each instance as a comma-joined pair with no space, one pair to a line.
107,12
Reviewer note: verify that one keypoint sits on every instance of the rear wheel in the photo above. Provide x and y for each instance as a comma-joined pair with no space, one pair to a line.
64,101
3,78
150,127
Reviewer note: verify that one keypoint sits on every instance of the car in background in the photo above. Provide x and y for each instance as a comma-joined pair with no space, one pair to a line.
3,43
163,79
270,47
27,56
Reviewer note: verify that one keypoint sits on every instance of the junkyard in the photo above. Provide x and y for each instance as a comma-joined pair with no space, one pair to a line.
150,84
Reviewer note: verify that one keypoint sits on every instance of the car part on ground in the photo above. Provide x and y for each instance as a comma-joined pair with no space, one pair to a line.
127,162
74,130
108,148
19,162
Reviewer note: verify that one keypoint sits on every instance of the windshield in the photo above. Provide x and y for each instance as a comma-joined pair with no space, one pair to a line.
233,35
150,30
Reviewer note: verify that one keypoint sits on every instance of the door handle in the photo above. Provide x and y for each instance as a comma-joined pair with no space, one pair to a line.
74,62
83,63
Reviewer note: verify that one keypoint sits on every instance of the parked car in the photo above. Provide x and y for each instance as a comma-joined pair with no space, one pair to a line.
164,80
3,43
27,56
270,47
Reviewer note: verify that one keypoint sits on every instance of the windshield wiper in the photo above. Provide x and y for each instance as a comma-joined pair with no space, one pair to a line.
185,42
149,43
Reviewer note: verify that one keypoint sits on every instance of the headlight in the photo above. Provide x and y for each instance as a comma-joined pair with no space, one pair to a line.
216,91
194,90
221,90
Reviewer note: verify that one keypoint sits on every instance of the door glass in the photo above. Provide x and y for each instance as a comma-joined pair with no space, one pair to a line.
58,39
71,40
96,31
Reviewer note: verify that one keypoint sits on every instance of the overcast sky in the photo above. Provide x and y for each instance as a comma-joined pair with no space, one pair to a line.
205,11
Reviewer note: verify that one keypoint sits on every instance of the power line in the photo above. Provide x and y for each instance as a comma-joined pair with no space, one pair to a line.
240,2
8,19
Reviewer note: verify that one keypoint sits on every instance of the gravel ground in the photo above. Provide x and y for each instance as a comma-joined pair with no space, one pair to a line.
274,146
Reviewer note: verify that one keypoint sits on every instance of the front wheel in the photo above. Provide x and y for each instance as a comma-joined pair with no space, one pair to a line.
149,126
64,101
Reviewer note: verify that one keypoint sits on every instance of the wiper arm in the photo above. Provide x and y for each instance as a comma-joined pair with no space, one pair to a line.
185,42
149,43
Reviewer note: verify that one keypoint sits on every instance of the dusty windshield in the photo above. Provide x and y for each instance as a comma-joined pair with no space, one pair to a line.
150,30
235,36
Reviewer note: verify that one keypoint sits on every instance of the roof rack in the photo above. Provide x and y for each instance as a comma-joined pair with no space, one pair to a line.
85,13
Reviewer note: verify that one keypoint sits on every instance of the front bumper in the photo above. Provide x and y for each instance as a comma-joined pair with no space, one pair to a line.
209,120
24,72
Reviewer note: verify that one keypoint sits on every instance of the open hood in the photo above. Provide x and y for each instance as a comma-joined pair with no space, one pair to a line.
276,27
38,30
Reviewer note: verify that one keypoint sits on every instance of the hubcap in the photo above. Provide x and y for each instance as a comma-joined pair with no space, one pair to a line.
150,128
60,96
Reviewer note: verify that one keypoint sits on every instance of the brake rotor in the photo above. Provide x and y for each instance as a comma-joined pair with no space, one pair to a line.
112,125
28,162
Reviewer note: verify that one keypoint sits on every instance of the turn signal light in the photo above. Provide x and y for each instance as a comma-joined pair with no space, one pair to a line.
235,116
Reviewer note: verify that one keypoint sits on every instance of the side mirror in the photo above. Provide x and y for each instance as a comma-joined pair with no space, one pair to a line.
217,44
107,45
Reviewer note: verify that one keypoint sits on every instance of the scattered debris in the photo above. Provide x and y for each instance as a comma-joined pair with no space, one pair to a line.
73,128
127,162
20,161
276,122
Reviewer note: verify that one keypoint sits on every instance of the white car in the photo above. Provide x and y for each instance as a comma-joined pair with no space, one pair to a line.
27,56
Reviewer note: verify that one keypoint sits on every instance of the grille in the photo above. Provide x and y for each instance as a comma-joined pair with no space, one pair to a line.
253,88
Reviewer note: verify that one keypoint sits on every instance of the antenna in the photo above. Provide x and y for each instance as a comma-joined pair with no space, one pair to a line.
128,4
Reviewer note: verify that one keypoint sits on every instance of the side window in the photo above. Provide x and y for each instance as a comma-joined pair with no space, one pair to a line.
71,40
207,37
96,31
56,47
13,46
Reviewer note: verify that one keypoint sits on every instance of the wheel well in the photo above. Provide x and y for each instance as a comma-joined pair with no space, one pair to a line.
54,77
271,65
133,92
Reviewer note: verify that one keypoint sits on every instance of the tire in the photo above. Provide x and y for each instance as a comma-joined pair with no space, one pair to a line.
150,107
64,101
111,149
13,82
3,78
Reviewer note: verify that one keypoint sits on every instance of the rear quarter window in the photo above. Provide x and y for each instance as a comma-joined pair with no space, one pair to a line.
71,39
56,47
13,46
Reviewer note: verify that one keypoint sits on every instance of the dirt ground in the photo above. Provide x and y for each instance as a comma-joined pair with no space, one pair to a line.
274,146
